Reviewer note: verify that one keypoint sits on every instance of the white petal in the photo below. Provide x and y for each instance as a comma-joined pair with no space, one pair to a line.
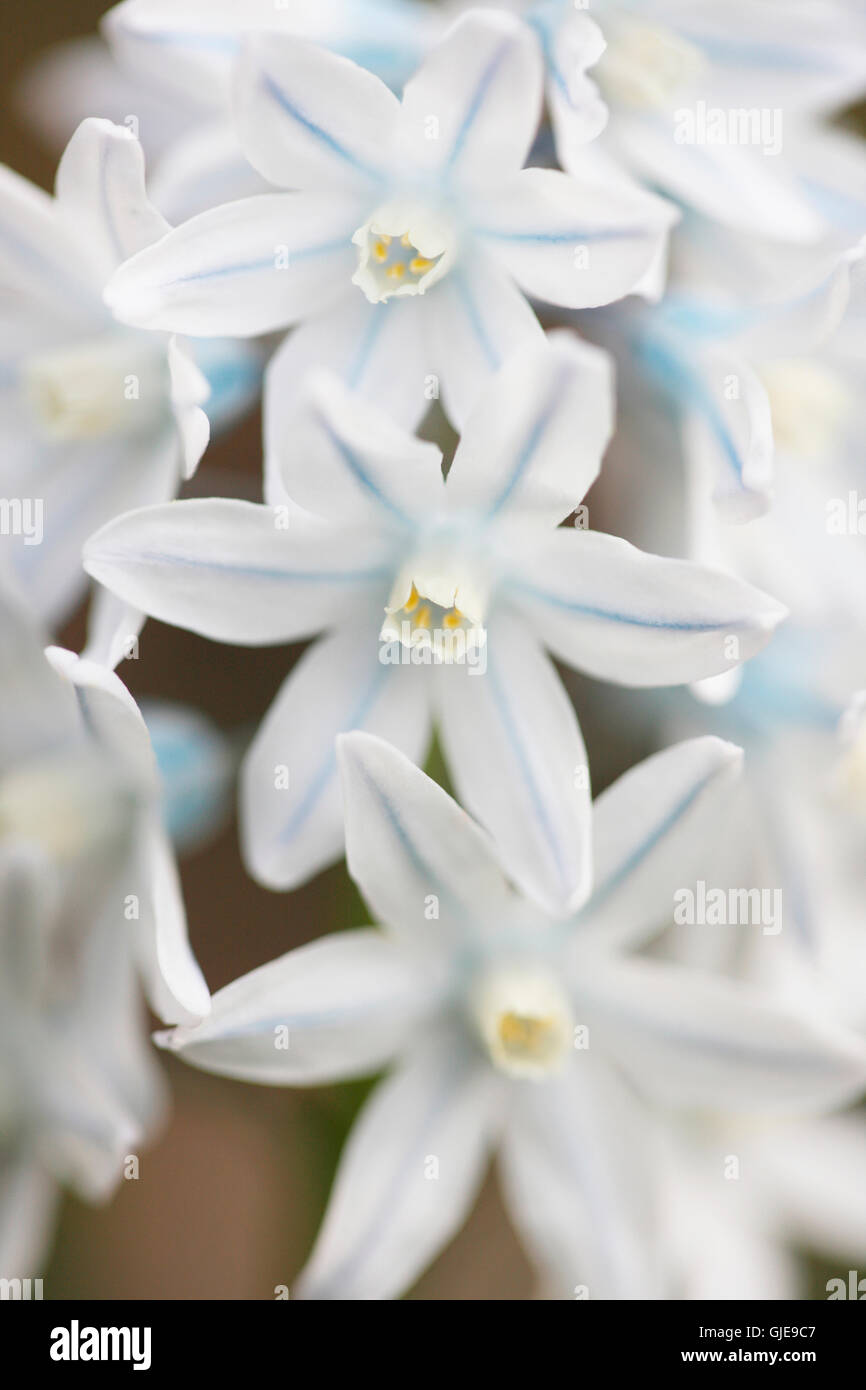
408,842
731,184
377,350
189,389
229,571
41,265
37,708
816,1172
346,460
651,832
476,318
28,1203
578,1173
174,983
472,109
388,1217
292,823
112,627
243,268
728,436
307,118
534,442
109,714
517,759
100,189
337,1008
83,484
577,110
570,243
202,169
695,1039
638,619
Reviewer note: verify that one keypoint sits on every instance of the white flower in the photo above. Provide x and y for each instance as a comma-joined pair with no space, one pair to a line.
506,1026
473,580
89,902
707,99
399,254
98,418
742,1200
721,350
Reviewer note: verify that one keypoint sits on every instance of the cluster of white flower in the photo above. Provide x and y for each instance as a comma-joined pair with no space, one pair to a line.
462,216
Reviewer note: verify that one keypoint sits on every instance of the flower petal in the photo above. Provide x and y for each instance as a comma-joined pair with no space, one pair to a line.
534,442
695,1039
731,184
377,350
337,1008
175,985
291,818
243,268
346,460
40,266
28,1203
189,389
231,571
37,708
578,1182
388,1215
569,243
476,317
100,189
651,833
407,841
638,619
473,107
307,118
517,759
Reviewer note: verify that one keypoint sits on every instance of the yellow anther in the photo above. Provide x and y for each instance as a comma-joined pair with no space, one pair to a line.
380,251
412,601
521,1034
423,617
420,265
397,271
453,618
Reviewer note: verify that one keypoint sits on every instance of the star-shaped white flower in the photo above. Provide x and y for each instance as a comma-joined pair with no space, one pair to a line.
89,904
98,418
506,1026
414,233
438,600
703,99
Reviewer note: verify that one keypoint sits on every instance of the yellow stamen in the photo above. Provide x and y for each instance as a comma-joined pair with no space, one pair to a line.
524,1035
380,251
396,272
452,619
412,601
420,265
423,617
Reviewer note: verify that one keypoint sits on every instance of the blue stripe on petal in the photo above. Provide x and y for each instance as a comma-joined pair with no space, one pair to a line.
327,768
475,104
318,132
610,615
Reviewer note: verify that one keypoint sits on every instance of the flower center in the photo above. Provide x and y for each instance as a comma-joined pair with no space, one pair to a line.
403,249
808,403
71,808
114,384
645,66
525,1021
